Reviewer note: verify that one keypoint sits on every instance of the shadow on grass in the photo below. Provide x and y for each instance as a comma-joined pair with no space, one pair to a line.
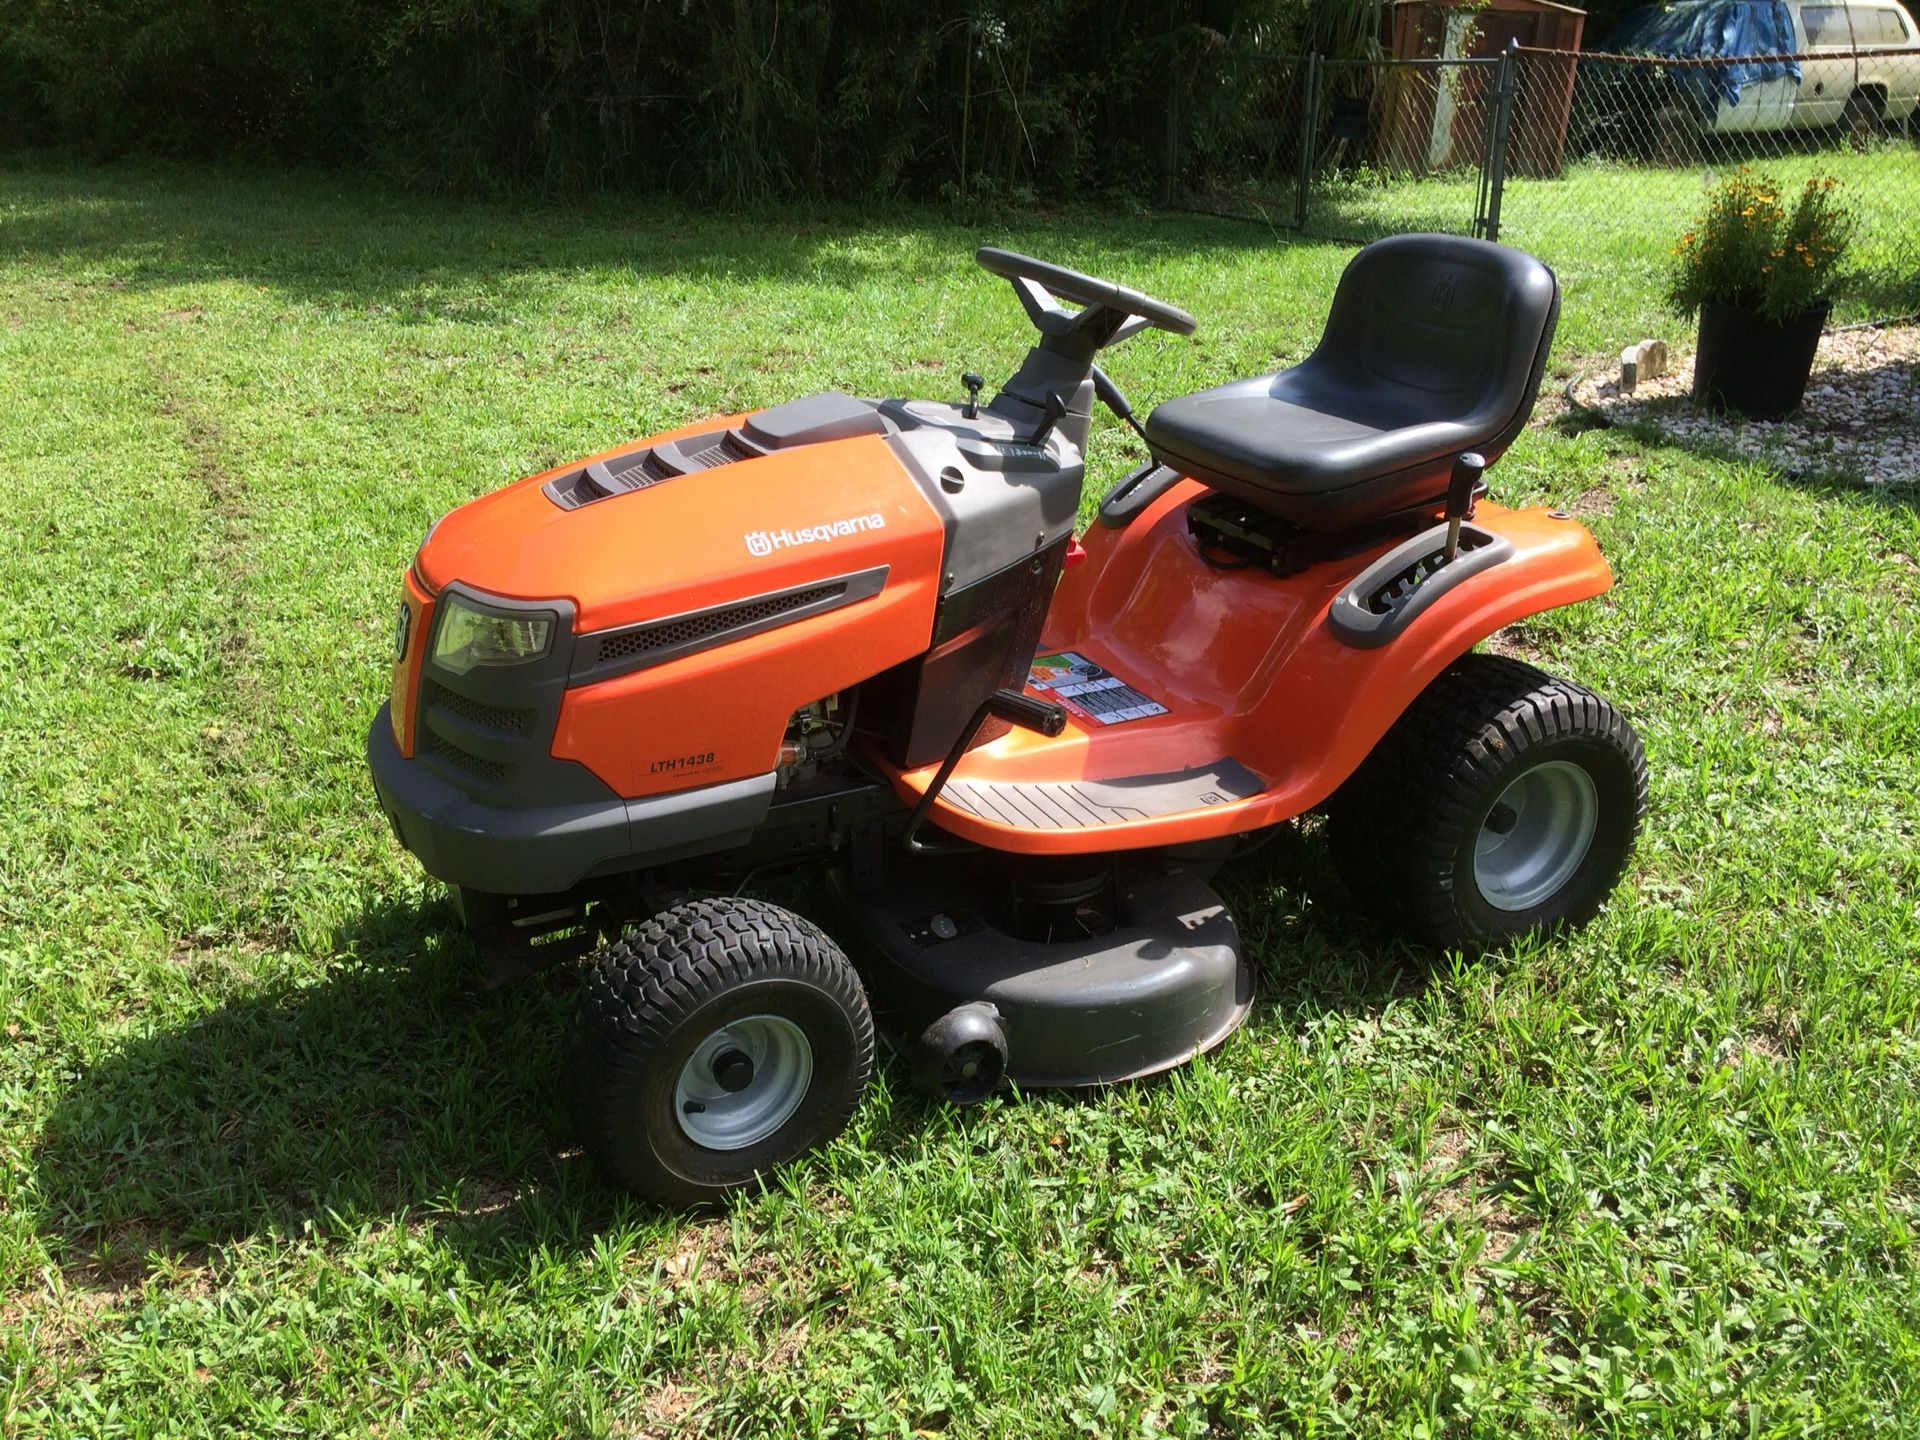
308,236
394,1091
391,1090
1316,950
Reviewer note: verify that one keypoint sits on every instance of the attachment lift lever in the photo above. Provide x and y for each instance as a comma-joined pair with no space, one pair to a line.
1013,706
1467,471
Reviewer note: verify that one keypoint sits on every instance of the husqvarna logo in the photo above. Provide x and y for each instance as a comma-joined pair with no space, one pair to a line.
765,542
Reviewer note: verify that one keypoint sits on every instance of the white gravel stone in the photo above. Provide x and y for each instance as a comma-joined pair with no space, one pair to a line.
1861,417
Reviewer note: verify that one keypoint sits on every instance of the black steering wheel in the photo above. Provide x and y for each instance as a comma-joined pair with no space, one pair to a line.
1040,283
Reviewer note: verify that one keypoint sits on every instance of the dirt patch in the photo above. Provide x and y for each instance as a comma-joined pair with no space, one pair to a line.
1515,644
664,1413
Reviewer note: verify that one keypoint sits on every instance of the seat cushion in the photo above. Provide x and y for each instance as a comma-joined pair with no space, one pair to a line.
1434,346
1294,449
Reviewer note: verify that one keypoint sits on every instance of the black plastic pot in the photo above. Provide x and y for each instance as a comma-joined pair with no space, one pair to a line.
1752,365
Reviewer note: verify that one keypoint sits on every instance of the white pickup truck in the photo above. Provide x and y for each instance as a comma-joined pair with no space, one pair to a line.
1860,60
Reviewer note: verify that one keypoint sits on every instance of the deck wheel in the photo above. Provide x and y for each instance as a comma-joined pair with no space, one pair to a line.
962,1056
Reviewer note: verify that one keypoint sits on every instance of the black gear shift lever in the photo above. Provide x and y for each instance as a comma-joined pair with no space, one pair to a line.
1052,411
973,383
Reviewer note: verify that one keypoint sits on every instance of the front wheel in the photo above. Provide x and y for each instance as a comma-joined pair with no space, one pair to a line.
1504,801
713,1042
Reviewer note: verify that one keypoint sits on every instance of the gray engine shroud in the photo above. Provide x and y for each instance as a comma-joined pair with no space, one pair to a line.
1002,500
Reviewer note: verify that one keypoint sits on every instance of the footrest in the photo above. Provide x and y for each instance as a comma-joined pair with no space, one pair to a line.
1088,804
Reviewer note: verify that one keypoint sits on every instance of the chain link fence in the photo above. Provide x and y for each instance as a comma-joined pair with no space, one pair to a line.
1351,150
1597,163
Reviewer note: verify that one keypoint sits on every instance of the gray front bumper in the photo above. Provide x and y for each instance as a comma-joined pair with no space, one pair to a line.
543,850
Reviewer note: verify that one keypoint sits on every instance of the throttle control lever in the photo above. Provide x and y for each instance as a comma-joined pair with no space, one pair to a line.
1115,399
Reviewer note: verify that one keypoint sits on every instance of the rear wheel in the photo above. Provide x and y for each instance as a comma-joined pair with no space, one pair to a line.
1862,119
713,1042
1504,801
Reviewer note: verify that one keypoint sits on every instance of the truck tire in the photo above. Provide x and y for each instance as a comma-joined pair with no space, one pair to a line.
713,1042
1862,120
1502,802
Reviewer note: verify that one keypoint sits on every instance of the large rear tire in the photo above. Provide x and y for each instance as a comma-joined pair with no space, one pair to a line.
713,1042
1502,802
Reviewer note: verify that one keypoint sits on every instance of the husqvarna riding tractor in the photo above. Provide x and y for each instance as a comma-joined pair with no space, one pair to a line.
860,636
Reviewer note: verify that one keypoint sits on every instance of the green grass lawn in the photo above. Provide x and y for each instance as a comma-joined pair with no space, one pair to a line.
1609,228
273,1164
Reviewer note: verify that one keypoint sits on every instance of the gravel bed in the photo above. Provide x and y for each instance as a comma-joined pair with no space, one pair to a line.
1861,418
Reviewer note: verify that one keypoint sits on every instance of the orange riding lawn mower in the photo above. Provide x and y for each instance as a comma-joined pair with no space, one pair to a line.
860,637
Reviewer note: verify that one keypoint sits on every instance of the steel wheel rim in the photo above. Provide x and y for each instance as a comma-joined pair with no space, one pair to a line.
781,1071
1536,835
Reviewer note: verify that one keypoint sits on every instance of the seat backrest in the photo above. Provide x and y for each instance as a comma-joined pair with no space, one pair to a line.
1441,327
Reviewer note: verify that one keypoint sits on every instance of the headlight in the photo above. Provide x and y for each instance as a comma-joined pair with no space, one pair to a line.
467,636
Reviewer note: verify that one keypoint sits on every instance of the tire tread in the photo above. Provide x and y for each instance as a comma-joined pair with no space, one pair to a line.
1394,827
651,980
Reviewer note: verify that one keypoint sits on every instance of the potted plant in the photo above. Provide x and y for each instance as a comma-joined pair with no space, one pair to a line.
1759,272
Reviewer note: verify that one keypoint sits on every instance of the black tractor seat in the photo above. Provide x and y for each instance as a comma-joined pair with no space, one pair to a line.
1434,346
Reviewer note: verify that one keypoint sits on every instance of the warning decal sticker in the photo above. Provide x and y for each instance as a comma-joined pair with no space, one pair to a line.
1095,695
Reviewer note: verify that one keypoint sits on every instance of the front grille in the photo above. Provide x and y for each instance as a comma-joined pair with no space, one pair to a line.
490,717
674,634
434,744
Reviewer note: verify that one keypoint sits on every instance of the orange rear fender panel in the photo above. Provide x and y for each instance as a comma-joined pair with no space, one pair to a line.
1249,668
1338,701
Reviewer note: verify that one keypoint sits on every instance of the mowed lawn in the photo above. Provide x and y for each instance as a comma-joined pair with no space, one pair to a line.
271,1163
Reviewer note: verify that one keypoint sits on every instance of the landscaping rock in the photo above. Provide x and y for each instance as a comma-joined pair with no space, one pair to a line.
1642,362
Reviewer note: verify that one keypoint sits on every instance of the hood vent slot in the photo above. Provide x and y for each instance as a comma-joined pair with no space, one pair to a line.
814,420
615,652
678,635
615,476
638,469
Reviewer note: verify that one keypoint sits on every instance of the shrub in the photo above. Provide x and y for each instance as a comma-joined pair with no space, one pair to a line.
732,100
1751,251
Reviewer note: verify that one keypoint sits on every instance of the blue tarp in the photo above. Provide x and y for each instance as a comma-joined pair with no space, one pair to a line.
1709,30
